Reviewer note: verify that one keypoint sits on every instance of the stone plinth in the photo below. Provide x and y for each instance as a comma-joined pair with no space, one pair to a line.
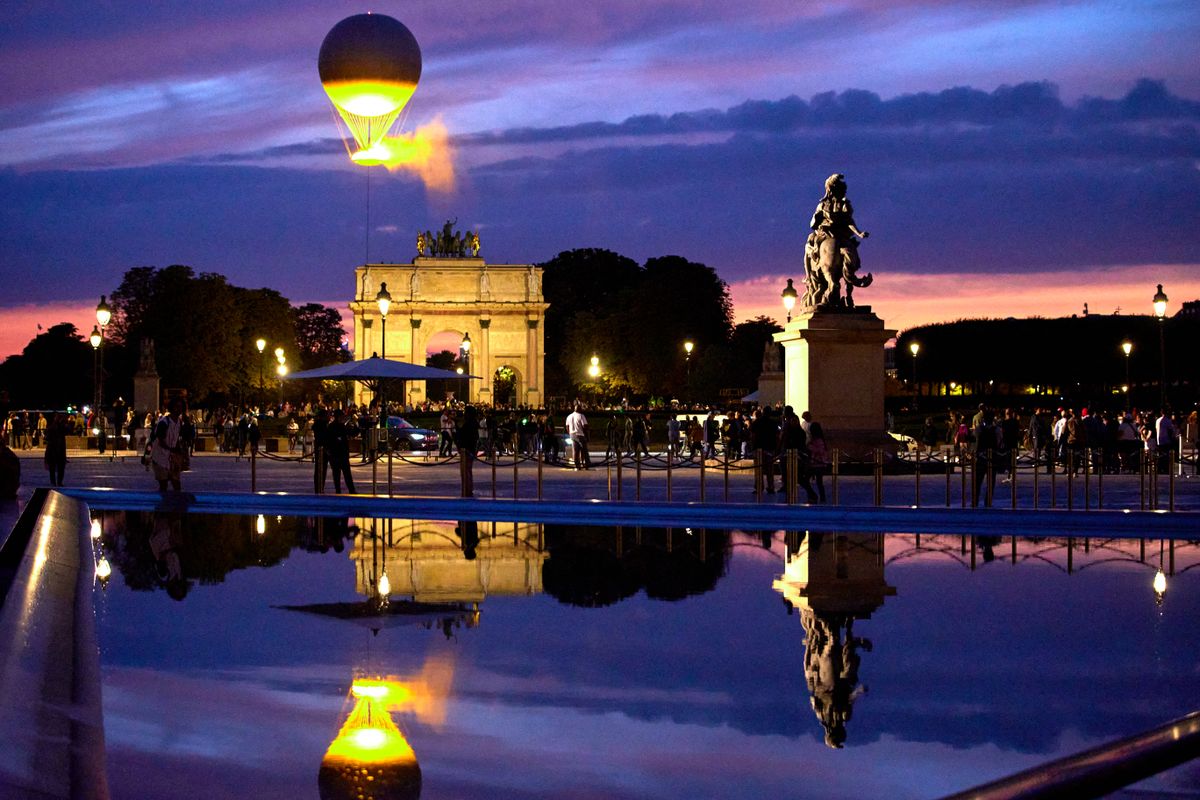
146,396
833,367
771,389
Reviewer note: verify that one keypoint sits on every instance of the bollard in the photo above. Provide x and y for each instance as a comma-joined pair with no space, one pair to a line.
389,469
962,471
1153,478
1142,481
1053,486
374,474
758,476
917,478
1100,484
319,458
1171,485
878,454
726,467
637,484
1087,481
789,476
837,461
949,467
253,469
539,475
1036,493
670,459
702,477
989,474
620,463
1012,476
1070,480
495,460
516,463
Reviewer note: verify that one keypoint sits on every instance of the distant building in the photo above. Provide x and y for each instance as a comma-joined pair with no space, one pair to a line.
1190,309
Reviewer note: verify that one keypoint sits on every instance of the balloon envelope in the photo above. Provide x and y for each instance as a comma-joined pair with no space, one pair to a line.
369,66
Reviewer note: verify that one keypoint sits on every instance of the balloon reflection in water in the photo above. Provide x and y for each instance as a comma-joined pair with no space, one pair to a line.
370,758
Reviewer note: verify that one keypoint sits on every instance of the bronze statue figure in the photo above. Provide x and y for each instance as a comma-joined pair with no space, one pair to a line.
831,252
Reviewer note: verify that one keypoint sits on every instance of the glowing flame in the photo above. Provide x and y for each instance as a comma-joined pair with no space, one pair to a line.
95,529
1160,583
385,586
260,524
103,569
426,152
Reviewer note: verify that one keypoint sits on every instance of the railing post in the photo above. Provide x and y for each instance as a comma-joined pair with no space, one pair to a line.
1053,486
837,462
917,474
1171,484
702,470
758,475
375,474
726,474
1087,480
539,475
1070,480
962,470
389,468
1036,488
495,461
878,454
620,466
948,470
253,469
319,461
670,458
1142,479
637,468
1012,475
1100,483
516,464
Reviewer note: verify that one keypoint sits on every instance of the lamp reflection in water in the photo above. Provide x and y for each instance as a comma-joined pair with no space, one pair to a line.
371,758
833,579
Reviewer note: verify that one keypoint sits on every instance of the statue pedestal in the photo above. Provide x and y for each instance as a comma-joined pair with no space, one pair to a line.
771,387
833,367
146,396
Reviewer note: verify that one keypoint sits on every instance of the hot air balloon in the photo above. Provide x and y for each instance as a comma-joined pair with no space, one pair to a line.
369,66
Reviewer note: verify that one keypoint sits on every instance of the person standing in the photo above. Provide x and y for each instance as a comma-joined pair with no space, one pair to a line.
10,472
55,437
818,451
167,447
673,435
764,436
466,437
792,438
577,429
320,457
337,452
446,433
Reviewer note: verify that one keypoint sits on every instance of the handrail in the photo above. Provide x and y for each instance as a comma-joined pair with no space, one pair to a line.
1101,770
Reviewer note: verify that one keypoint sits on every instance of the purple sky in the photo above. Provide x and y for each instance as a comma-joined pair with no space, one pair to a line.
1017,140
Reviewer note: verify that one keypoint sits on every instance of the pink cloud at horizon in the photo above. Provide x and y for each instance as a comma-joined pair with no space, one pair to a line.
905,300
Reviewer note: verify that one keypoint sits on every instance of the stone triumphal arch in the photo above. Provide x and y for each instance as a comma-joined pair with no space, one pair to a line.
500,306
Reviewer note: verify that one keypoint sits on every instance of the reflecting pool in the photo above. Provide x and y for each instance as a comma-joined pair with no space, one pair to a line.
286,657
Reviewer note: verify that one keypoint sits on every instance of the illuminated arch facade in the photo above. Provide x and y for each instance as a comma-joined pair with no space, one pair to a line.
501,306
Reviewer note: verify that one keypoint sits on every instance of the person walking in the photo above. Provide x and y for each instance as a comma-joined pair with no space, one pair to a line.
55,437
792,438
577,429
167,447
466,438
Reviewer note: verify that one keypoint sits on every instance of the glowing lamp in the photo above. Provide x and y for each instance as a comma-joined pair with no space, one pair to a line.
385,585
104,313
261,344
1160,303
466,343
96,529
688,346
370,757
1127,347
459,370
789,298
95,338
914,348
1160,584
260,525
384,299
104,569
281,370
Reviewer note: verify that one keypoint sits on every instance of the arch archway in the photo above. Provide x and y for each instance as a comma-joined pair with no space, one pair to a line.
506,386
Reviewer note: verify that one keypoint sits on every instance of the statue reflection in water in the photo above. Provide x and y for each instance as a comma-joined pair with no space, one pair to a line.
833,580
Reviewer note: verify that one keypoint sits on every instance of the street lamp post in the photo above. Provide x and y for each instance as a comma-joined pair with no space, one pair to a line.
1127,348
96,338
1160,311
103,317
383,298
688,346
464,349
593,371
261,344
280,370
789,298
914,348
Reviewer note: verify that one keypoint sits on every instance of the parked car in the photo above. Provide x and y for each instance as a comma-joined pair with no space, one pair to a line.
405,436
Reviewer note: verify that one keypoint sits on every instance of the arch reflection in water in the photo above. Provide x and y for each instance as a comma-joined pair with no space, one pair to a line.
371,758
833,580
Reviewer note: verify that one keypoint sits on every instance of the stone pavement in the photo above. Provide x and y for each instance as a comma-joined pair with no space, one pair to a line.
214,472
